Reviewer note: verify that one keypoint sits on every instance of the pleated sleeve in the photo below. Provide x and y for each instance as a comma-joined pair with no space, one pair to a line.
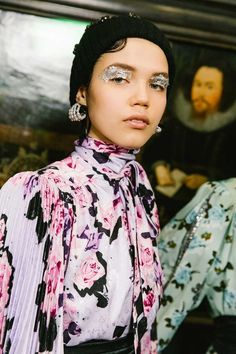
35,220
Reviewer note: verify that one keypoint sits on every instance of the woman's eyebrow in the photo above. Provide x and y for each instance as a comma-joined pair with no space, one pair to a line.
165,74
123,66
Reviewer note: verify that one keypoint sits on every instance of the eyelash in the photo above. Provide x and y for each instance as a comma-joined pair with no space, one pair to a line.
119,79
158,86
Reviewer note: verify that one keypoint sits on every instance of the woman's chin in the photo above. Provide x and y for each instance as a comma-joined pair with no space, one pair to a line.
129,141
133,143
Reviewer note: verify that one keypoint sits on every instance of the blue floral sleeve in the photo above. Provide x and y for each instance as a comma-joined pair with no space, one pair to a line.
197,251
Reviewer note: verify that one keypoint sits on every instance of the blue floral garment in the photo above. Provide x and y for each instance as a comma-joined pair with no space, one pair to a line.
78,257
198,254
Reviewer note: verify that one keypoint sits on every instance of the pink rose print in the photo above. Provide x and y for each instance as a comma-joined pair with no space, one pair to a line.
54,178
125,222
17,179
84,199
107,216
3,229
31,181
147,256
49,195
54,284
6,272
58,218
136,279
70,312
90,270
146,344
149,301
62,218
139,211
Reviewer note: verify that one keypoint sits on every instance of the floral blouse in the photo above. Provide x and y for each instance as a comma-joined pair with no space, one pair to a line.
198,253
78,253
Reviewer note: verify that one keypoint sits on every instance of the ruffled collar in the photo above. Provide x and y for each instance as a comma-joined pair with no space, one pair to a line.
212,122
106,157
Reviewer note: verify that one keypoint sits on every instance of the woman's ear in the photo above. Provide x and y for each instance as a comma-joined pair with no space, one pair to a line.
81,96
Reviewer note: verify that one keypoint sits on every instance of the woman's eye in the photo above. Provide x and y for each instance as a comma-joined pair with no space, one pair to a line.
116,74
160,83
157,87
118,80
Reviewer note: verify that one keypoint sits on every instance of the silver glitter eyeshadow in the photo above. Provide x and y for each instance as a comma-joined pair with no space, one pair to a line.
114,72
160,80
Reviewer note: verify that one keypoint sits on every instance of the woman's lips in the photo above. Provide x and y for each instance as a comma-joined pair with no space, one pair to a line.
137,122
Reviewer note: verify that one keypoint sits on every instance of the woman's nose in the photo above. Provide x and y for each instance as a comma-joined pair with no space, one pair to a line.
139,95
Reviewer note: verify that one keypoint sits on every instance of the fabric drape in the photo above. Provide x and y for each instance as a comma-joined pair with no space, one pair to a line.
56,219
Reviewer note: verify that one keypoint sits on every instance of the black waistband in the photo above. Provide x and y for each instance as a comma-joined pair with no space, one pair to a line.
124,345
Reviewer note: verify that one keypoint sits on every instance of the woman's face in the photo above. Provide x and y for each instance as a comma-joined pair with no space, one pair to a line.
126,97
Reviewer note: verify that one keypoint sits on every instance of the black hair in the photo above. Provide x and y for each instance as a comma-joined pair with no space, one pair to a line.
85,124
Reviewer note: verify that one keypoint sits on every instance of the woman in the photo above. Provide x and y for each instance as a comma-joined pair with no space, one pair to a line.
79,267
198,254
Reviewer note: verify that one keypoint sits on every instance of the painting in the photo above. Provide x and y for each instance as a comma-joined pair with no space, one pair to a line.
197,140
36,55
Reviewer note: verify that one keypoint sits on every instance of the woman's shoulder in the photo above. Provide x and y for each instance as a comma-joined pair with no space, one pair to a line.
211,195
225,189
52,175
218,188
229,184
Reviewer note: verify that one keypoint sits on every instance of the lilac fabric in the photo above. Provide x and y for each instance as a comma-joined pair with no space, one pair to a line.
78,253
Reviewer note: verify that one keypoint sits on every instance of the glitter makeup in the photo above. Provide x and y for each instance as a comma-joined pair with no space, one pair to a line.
115,72
160,81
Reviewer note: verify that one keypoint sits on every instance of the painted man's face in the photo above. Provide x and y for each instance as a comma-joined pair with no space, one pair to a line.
206,90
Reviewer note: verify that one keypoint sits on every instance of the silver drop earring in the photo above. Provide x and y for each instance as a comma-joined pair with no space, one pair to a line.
158,129
76,113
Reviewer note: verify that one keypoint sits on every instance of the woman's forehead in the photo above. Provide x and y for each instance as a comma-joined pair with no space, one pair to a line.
135,54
